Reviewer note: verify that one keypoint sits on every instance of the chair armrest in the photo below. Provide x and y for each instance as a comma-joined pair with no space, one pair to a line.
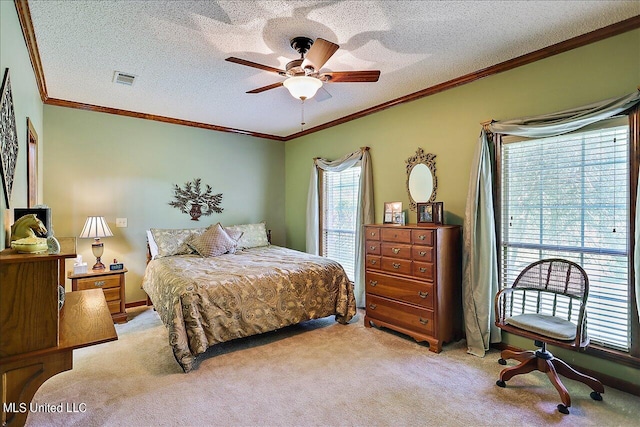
502,311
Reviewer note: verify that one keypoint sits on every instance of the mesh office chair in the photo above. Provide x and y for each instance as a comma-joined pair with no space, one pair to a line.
547,303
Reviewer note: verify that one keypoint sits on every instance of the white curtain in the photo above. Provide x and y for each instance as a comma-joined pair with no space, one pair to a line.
364,215
480,258
480,282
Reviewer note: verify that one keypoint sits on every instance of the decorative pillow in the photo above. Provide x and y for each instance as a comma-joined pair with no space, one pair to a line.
174,241
254,235
213,242
235,236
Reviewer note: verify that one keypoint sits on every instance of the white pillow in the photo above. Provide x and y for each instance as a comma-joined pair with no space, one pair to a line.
153,247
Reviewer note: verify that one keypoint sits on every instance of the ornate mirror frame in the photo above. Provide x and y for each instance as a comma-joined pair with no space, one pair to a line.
427,159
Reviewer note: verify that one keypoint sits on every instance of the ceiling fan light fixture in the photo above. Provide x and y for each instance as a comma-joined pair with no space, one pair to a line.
302,87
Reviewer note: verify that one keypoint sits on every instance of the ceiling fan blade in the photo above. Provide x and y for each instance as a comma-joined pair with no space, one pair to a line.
263,88
320,52
352,76
322,95
255,65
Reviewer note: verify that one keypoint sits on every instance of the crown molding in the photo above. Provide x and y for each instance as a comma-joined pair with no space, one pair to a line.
24,16
127,113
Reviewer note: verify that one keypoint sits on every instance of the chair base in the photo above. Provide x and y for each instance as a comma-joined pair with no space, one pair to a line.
543,361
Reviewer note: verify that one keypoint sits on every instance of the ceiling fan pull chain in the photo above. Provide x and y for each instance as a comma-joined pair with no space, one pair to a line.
302,123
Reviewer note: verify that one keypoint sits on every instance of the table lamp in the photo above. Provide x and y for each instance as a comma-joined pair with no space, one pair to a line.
96,227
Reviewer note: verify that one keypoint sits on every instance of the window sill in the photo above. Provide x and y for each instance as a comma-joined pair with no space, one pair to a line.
613,355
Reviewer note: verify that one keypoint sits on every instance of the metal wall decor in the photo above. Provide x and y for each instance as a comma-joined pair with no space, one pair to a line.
8,138
191,200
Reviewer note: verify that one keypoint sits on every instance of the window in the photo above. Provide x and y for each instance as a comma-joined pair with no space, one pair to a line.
338,209
568,197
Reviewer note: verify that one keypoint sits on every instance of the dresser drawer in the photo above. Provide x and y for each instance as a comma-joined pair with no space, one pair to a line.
396,250
372,233
373,247
411,291
422,253
112,294
424,270
114,306
398,235
103,282
400,314
373,261
422,237
396,265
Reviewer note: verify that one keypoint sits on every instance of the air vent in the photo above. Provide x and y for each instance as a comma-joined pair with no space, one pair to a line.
123,78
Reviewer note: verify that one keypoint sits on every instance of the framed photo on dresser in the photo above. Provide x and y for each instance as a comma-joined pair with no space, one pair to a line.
430,213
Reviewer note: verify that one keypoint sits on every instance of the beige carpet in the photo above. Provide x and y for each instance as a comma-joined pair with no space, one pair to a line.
318,373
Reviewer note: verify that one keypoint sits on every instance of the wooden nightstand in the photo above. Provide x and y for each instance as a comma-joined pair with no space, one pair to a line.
111,282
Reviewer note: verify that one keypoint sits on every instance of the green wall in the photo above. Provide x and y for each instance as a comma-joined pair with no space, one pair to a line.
27,103
448,124
122,167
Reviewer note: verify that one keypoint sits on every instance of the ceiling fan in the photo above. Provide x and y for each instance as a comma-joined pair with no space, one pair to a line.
303,75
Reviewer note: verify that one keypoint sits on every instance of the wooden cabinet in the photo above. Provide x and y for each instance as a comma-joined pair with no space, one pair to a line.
413,281
37,339
111,283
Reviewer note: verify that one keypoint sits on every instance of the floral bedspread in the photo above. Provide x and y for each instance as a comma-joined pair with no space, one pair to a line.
204,301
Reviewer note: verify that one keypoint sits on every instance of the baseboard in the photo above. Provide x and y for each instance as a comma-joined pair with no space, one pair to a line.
617,383
135,304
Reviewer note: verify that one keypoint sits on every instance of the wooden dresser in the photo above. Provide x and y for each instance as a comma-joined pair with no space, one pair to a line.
37,339
413,281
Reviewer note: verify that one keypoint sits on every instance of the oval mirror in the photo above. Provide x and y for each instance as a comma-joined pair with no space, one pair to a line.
421,178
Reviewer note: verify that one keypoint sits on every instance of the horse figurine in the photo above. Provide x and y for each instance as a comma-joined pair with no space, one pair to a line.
27,226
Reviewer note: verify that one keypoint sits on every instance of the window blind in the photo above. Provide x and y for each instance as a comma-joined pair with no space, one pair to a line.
338,220
567,197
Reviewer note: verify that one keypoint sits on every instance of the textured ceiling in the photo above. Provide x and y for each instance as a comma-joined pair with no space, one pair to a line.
177,50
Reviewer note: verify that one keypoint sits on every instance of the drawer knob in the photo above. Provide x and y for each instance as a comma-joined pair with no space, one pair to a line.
424,321
423,269
373,282
373,261
99,283
422,237
423,294
372,306
373,233
422,253
373,248
396,250
396,265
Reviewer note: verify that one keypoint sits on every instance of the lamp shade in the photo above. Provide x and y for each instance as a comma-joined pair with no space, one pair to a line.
302,87
95,226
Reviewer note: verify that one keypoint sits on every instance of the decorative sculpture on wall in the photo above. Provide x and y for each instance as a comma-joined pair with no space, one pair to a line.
8,138
192,201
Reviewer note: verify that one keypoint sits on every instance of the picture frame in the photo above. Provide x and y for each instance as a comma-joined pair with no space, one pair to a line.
392,213
8,138
430,213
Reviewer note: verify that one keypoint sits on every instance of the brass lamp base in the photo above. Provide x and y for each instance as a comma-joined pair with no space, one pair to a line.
97,247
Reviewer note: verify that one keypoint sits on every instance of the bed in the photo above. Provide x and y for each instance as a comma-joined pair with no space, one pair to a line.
205,300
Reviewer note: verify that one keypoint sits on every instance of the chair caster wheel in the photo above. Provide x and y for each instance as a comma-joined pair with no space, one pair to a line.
563,409
596,396
502,361
501,383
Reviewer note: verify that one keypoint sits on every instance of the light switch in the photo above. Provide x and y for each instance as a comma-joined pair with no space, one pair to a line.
121,222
